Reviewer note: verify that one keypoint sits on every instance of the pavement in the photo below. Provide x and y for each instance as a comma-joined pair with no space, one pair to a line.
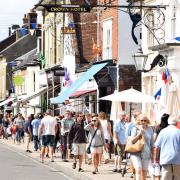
105,170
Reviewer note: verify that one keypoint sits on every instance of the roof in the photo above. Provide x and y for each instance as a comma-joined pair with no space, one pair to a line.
42,2
77,94
7,41
28,59
21,46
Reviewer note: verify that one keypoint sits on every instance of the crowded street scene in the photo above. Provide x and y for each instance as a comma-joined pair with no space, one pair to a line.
89,90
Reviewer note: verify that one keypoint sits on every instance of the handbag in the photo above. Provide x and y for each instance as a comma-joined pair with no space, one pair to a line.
88,151
136,147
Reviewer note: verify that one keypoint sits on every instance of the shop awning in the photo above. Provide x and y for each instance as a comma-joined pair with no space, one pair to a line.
78,94
34,95
77,84
7,101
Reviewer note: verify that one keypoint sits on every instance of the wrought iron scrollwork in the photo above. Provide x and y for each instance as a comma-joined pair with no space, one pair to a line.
152,18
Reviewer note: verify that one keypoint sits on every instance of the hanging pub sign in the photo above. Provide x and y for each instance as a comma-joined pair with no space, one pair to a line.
67,8
68,30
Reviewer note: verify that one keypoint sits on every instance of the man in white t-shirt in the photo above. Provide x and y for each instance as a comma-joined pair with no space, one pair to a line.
48,126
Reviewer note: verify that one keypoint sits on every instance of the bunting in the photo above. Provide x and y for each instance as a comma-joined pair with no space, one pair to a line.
166,76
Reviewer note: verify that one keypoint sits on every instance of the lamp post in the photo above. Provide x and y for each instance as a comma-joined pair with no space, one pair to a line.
140,60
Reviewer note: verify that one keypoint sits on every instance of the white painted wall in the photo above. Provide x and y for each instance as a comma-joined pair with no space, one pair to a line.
172,53
127,46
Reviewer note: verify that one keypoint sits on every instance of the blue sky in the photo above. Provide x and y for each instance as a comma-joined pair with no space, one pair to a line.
12,12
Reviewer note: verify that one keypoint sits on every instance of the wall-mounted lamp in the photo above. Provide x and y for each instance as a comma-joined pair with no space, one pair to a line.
140,61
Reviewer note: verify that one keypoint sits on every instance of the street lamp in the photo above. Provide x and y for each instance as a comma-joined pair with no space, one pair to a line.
140,60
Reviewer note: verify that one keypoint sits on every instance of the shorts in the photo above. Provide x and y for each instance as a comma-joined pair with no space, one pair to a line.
48,140
79,148
27,137
140,163
119,150
170,171
96,150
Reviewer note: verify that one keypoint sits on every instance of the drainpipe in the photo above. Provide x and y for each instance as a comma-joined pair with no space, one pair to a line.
98,43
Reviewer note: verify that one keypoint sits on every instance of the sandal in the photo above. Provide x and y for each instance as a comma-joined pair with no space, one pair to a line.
74,166
81,170
94,172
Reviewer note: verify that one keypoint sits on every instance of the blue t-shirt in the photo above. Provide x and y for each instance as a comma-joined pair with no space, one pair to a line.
120,129
168,141
27,126
35,125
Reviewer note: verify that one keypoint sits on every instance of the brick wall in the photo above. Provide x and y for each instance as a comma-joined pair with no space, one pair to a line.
128,77
86,29
110,13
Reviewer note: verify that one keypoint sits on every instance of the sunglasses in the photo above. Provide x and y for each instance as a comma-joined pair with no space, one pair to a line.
143,120
80,116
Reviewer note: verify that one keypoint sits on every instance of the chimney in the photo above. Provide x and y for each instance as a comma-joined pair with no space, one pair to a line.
25,20
9,31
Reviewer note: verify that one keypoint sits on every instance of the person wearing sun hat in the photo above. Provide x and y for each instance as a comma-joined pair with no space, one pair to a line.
167,150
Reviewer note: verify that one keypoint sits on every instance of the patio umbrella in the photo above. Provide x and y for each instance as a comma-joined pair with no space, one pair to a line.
115,109
130,95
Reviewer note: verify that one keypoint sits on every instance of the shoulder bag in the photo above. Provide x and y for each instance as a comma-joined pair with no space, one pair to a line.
136,147
89,147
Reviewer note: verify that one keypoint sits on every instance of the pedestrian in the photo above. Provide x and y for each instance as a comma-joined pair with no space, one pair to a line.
35,126
106,126
119,142
13,131
131,123
5,122
49,126
88,119
1,125
28,132
141,160
97,141
66,124
155,167
19,122
57,135
167,150
77,136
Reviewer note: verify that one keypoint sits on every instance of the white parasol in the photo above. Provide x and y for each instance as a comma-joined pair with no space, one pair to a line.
130,95
173,104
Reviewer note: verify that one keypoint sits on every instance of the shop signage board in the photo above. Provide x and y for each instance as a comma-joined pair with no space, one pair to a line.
67,8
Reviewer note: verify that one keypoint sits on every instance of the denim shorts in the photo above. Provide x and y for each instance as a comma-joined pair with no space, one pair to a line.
48,140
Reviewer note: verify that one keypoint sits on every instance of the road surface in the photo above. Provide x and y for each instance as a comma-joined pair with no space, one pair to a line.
16,166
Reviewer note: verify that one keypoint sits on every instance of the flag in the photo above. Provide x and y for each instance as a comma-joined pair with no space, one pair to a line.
166,76
96,49
67,79
158,94
177,38
42,58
